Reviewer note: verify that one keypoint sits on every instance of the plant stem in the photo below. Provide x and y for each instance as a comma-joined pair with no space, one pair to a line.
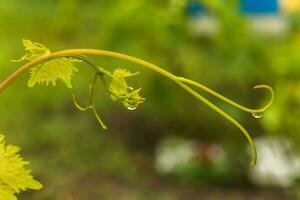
80,53
219,96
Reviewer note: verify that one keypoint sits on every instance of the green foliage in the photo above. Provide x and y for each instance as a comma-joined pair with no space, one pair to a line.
120,90
230,61
14,177
62,67
50,66
33,50
50,71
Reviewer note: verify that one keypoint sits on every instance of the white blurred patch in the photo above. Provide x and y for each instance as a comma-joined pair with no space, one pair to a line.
269,25
175,153
204,26
264,25
277,164
172,153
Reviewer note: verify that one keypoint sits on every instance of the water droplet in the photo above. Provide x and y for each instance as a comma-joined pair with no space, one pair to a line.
131,108
257,115
130,88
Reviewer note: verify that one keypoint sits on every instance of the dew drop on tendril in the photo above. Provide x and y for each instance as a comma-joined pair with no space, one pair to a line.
257,115
131,108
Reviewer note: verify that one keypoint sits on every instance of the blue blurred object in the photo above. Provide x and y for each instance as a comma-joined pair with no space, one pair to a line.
263,17
195,9
260,6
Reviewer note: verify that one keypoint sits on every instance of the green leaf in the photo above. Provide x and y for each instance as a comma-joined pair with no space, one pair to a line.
120,90
33,50
6,193
14,177
48,72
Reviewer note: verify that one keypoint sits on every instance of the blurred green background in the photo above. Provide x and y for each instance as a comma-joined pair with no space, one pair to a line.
172,147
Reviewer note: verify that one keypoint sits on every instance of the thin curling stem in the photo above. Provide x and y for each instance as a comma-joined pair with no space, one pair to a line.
221,97
98,72
104,127
76,104
91,105
225,115
81,54
92,101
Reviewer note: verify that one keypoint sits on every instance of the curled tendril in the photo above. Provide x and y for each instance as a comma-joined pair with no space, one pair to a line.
221,97
98,118
221,112
76,104
91,102
182,82
225,115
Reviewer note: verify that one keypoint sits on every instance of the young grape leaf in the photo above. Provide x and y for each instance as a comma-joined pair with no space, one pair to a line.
33,50
13,176
120,90
49,71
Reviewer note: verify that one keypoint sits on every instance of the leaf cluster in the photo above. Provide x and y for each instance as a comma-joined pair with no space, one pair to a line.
14,177
49,71
120,90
